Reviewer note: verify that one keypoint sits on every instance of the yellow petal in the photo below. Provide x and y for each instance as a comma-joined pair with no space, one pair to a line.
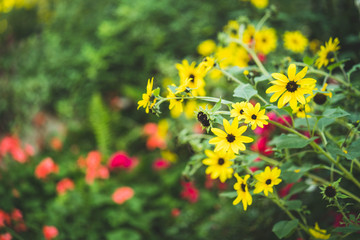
292,72
280,76
301,74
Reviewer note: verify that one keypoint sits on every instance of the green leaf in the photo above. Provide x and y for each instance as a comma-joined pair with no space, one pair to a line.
337,64
123,234
348,229
245,91
262,78
290,141
296,188
355,68
216,107
308,60
335,113
294,205
285,228
232,194
324,122
156,92
354,150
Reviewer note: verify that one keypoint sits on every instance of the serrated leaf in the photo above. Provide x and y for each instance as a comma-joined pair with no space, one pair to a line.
308,60
335,113
245,91
232,194
285,228
290,141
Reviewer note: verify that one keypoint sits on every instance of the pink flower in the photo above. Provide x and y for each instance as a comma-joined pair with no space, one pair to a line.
122,194
64,185
283,192
262,57
189,192
29,150
103,172
197,128
56,144
18,155
121,160
16,215
150,129
50,232
261,146
287,119
160,164
46,167
154,142
8,143
94,168
4,218
5,236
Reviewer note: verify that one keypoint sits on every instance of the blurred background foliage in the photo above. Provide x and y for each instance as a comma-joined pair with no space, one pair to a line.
86,63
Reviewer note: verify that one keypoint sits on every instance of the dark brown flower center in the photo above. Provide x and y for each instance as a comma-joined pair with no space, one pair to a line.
320,98
221,161
234,31
330,56
268,182
253,117
241,111
203,119
330,191
230,138
243,187
192,78
291,86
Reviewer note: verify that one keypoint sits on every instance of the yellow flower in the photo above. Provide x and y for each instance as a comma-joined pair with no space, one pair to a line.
301,111
239,110
163,128
242,190
232,28
232,55
255,116
314,45
206,47
327,53
193,77
175,106
319,233
295,41
219,164
260,3
249,34
169,156
265,40
266,180
206,64
232,139
320,98
147,102
291,88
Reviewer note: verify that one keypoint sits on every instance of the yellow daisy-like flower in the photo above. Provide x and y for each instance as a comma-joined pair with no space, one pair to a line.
232,28
295,41
232,139
219,164
301,111
327,53
206,64
175,106
239,110
192,76
207,47
319,233
265,40
249,34
242,190
232,55
255,116
292,88
267,179
260,3
147,102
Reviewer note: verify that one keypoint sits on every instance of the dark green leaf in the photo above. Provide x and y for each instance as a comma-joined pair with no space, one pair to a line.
296,188
216,107
354,150
356,67
335,113
123,234
262,78
290,141
245,91
348,229
324,122
285,228
294,205
337,64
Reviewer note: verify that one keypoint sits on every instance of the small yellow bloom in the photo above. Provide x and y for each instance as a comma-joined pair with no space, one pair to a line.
265,40
295,41
297,170
249,34
147,102
327,53
232,55
319,233
267,179
292,88
206,47
242,190
219,164
232,28
239,110
301,111
260,3
192,77
175,106
255,116
232,139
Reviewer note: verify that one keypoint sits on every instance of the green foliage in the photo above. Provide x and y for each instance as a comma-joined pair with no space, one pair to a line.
285,228
244,91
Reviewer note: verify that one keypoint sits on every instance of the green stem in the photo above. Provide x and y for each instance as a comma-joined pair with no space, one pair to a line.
230,76
263,20
341,209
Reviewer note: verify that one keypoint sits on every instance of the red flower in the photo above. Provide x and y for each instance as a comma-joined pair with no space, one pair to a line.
94,168
4,218
283,192
261,146
285,120
16,215
64,185
56,144
50,232
5,236
189,192
120,160
122,194
267,129
175,212
46,167
160,164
